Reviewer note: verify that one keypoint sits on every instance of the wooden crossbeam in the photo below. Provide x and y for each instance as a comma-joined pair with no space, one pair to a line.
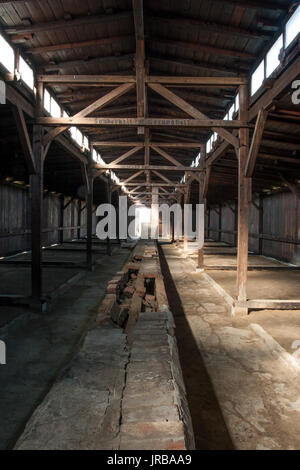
167,156
98,104
190,145
146,167
201,81
166,80
189,109
86,79
24,138
256,142
215,124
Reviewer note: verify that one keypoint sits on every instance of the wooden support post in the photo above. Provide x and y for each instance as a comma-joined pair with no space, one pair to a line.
220,223
36,195
89,220
186,201
261,225
202,200
235,228
79,219
61,219
243,209
109,194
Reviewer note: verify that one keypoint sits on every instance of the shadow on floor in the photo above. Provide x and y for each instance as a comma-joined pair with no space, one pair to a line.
209,426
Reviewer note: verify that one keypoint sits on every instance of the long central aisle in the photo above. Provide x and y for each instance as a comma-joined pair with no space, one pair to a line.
243,388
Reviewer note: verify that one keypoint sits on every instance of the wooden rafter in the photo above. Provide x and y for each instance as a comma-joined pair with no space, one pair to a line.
24,138
167,156
98,104
256,142
76,45
124,156
189,109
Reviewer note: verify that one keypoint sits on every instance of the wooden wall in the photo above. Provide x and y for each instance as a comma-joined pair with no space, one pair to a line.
15,219
280,226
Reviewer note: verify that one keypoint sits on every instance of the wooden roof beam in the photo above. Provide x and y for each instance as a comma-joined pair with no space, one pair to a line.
189,109
96,105
216,125
24,138
219,28
256,142
203,47
64,24
76,45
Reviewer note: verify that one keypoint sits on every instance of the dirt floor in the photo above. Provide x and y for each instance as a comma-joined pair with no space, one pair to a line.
282,325
243,386
39,345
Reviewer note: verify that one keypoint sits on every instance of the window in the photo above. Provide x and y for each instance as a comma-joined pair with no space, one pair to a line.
86,142
79,137
231,113
55,109
292,27
258,77
272,58
237,103
7,55
47,101
73,131
26,73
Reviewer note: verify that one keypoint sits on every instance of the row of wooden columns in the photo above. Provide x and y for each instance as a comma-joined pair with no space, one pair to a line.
244,196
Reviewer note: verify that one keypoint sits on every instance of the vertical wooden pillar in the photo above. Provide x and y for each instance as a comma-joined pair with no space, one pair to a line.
109,193
61,219
79,219
243,209
89,219
186,201
36,196
220,223
261,225
202,200
235,228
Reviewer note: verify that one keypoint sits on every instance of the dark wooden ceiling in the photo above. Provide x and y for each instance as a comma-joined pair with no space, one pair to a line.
182,37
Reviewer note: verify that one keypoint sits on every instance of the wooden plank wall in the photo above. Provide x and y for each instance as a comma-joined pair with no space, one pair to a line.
280,222
15,219
214,224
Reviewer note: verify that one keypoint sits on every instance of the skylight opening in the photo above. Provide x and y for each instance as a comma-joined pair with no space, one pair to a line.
55,108
258,77
231,113
47,101
26,73
272,58
292,27
7,55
